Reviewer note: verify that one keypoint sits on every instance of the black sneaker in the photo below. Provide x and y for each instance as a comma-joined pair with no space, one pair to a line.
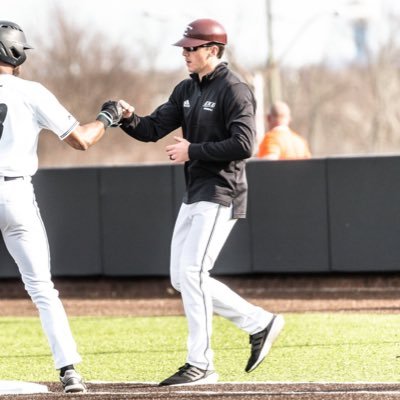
191,375
72,382
261,342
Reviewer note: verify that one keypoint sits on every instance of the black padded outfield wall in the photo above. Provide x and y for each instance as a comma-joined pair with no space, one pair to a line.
137,220
8,268
288,216
319,215
69,204
364,213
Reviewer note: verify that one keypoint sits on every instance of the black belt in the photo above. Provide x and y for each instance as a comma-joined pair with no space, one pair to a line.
11,178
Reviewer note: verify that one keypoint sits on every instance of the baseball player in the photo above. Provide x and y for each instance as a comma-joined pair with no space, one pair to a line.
26,107
215,110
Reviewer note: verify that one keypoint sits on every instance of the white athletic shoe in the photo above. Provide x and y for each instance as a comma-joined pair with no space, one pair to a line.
261,342
191,375
72,382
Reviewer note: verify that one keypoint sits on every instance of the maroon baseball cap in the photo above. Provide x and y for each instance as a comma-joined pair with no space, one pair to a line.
203,31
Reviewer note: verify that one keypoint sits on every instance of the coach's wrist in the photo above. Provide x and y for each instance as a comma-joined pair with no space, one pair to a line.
125,122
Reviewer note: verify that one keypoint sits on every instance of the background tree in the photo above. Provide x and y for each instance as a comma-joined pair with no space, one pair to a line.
346,110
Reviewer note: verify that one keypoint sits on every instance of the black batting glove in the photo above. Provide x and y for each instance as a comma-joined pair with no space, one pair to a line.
110,114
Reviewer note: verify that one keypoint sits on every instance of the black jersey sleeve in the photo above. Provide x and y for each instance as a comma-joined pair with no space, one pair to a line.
163,120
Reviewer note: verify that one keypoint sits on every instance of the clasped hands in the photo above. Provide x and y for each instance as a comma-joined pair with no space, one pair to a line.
111,114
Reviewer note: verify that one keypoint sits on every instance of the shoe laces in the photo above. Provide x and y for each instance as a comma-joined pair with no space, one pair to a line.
183,369
190,370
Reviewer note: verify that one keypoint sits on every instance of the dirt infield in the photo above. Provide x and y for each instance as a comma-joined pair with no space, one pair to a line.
154,296
227,391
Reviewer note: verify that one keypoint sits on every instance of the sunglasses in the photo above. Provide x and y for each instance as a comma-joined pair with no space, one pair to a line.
192,49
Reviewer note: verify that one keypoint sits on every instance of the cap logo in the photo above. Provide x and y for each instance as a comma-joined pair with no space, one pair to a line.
187,30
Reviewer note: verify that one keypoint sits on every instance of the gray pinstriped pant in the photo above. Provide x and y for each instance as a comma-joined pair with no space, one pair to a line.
200,232
25,237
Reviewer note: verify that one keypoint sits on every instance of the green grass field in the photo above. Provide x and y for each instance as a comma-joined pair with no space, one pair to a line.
313,347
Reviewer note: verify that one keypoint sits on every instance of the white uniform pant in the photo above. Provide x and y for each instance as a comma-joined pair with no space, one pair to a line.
200,232
25,237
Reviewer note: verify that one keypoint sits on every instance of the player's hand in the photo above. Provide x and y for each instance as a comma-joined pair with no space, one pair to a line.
178,152
110,113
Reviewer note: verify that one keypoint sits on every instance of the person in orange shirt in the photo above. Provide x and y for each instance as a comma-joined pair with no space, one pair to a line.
280,142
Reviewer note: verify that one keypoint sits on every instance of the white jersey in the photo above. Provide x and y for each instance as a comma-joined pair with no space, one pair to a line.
26,108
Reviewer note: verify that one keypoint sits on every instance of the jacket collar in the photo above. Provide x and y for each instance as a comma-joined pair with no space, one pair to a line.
212,75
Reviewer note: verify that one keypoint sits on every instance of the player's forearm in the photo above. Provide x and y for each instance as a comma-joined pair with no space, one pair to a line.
85,136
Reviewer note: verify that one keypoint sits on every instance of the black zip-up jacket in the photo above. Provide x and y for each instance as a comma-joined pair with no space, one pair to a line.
217,118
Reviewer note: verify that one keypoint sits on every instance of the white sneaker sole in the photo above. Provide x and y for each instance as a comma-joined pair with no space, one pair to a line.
276,329
208,380
78,388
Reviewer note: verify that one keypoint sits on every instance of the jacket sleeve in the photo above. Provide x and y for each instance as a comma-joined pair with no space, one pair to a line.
239,110
165,119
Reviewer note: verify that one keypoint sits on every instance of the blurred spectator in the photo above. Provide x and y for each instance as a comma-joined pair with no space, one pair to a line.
280,142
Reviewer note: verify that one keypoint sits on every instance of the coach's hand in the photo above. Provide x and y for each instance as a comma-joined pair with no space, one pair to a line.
178,152
110,113
127,109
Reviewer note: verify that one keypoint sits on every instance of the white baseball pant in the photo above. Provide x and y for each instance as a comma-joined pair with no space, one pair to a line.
200,232
25,237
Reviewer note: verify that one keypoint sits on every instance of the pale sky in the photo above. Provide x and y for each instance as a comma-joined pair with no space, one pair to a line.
304,31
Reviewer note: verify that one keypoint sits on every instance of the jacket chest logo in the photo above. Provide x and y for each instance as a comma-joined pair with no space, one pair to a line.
209,106
186,104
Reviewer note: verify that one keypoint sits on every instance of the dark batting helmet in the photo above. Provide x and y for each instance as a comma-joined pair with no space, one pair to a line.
12,44
203,31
